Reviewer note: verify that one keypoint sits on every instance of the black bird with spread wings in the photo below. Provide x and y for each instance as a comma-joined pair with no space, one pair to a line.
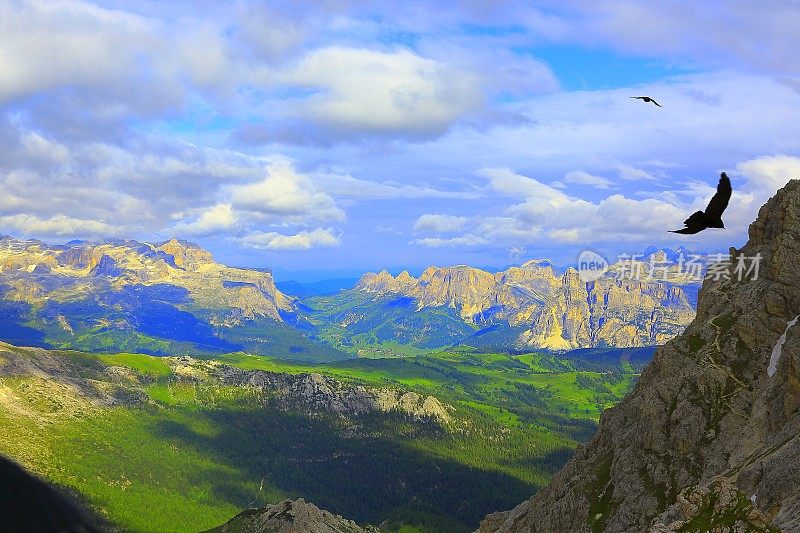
712,216
647,99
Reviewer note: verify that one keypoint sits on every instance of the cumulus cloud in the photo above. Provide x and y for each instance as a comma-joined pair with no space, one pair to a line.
50,44
58,226
382,91
287,194
618,220
304,240
130,120
439,223
770,172
213,220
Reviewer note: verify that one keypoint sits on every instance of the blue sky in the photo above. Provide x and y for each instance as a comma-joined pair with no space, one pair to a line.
339,137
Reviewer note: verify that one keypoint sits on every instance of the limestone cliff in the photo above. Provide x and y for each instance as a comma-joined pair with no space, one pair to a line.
709,439
558,312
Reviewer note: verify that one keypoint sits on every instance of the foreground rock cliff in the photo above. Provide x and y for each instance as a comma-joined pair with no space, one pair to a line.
709,440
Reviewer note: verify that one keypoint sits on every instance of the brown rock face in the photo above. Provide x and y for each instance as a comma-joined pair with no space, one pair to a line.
709,439
558,312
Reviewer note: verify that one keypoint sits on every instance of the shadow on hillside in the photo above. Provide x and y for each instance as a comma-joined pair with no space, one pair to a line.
365,478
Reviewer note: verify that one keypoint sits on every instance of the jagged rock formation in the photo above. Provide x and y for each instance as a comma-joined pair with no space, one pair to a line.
709,439
290,517
557,312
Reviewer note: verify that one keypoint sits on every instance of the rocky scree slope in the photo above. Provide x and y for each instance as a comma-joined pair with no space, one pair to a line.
709,439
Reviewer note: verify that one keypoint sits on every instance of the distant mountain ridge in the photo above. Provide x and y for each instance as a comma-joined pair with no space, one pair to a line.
171,296
155,298
555,311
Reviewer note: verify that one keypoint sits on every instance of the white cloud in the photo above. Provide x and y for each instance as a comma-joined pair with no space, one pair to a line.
699,31
59,225
346,186
286,194
581,177
628,172
617,219
506,181
48,44
439,223
305,240
464,241
215,219
770,172
382,91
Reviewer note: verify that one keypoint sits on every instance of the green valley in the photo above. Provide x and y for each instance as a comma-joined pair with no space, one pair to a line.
180,443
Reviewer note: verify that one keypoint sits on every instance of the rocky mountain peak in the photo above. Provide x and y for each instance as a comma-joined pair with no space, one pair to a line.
289,516
186,254
405,278
380,283
709,439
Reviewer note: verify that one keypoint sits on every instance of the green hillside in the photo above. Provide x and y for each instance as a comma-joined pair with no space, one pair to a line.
159,444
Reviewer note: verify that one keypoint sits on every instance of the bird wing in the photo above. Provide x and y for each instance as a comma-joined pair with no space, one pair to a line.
659,105
696,219
720,200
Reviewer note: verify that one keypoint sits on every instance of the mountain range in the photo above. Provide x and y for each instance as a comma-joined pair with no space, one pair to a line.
547,309
172,296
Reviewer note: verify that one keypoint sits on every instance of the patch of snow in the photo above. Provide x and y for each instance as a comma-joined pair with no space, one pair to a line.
776,351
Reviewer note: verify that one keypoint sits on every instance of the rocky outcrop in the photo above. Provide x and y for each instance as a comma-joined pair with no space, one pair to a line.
709,439
558,312
89,382
289,516
318,393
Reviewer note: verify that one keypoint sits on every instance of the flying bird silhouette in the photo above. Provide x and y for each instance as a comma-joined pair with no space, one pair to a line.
647,99
712,216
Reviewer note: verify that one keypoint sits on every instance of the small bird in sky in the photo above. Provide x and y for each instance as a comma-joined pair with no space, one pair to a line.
646,99
712,216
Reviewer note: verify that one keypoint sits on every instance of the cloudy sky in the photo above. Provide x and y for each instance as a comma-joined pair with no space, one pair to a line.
335,137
